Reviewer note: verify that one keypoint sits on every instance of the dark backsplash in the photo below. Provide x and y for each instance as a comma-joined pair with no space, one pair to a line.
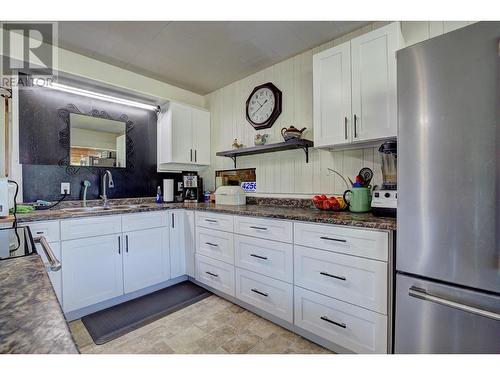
41,151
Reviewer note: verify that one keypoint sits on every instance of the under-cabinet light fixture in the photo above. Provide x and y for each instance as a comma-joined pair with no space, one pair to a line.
96,95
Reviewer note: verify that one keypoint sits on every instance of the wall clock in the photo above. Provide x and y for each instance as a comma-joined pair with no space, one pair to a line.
263,106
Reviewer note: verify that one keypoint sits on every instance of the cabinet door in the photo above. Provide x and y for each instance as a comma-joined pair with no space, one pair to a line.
145,258
374,91
201,136
190,242
177,244
332,96
92,271
182,136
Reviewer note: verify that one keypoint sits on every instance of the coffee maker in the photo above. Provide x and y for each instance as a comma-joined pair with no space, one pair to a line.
192,188
385,200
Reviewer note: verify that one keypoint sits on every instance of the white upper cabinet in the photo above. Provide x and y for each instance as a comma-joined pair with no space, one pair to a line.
332,96
374,84
183,134
201,137
355,97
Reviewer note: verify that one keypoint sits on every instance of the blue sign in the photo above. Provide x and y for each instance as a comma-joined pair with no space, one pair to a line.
249,187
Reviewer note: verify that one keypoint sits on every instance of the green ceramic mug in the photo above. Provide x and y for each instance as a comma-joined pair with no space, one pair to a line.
359,199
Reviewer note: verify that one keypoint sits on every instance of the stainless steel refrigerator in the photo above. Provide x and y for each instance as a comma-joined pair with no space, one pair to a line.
448,239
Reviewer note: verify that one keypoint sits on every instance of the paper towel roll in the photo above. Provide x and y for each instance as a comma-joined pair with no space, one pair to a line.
168,190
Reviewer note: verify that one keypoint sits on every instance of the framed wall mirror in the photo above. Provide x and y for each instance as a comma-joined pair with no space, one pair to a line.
97,142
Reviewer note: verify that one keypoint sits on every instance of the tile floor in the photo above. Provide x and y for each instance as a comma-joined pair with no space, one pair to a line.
210,326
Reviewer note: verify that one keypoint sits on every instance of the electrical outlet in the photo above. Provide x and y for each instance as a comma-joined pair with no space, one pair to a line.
65,188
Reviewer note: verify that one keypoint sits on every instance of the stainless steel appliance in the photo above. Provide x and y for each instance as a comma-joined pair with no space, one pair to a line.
385,200
448,248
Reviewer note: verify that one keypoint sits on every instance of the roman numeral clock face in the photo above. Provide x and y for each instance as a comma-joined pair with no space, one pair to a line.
264,106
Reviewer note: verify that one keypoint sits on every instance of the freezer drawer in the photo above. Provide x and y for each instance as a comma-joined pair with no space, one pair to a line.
437,318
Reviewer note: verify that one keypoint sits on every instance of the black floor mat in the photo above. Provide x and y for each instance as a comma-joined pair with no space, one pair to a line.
118,320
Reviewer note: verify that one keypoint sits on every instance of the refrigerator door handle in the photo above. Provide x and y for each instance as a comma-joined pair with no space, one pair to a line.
421,293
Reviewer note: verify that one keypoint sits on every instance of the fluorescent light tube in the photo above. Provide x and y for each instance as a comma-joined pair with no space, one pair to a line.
91,94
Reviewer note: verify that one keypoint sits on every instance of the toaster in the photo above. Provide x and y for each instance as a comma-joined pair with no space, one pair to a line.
230,195
4,197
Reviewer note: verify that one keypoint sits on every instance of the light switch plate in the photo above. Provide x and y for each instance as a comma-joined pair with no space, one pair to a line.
65,188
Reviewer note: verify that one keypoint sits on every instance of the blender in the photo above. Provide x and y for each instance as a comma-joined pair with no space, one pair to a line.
384,200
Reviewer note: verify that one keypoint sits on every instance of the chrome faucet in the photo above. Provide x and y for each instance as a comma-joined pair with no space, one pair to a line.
110,184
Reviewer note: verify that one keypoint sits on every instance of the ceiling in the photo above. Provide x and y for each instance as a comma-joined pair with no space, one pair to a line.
199,56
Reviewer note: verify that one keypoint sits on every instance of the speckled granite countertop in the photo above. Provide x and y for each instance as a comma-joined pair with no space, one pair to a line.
31,320
363,220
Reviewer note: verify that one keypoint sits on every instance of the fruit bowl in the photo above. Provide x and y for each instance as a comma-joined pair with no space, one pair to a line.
336,204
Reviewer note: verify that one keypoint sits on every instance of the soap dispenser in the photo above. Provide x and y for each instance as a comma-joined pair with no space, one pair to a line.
158,195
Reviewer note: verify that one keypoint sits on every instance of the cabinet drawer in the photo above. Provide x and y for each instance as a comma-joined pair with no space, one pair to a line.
270,295
359,281
215,244
144,220
352,327
48,229
270,258
90,227
363,243
214,221
216,274
276,230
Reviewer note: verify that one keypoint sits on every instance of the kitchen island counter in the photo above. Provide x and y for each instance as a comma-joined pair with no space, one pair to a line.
31,320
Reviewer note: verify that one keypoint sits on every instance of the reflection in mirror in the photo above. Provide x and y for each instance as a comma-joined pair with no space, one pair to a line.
97,142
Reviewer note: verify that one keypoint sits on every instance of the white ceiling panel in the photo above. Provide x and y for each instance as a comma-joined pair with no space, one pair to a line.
198,56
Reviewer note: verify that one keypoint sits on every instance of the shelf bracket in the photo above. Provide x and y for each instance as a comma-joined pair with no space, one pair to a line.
234,160
306,150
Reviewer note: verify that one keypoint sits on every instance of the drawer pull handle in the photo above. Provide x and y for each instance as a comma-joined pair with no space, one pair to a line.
40,232
258,228
332,239
212,274
259,292
334,276
211,220
258,256
325,318
211,244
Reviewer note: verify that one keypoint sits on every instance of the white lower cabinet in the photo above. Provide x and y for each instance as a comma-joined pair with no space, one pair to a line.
356,280
146,258
352,327
189,242
330,281
215,274
215,244
270,295
177,244
92,271
270,258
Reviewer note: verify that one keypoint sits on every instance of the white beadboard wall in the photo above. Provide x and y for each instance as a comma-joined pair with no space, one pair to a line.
287,173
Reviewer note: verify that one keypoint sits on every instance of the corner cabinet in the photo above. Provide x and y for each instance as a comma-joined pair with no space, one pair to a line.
355,90
183,138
